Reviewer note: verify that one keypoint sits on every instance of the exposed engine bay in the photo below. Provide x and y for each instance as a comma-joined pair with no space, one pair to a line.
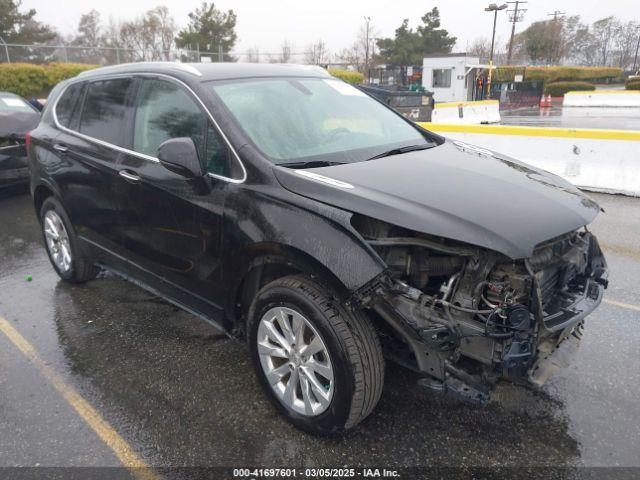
473,316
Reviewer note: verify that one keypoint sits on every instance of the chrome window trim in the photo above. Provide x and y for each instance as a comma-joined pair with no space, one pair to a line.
133,152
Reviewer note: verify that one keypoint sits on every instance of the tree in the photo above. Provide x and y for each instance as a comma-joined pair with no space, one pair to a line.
23,28
89,28
285,53
626,38
403,49
434,39
540,41
253,55
480,47
409,47
583,49
111,38
603,32
317,53
361,50
150,37
210,29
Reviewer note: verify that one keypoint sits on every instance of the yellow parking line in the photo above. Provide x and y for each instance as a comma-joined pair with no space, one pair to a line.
129,458
622,305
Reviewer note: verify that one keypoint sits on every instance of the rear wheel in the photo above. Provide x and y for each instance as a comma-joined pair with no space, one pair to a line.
319,362
71,264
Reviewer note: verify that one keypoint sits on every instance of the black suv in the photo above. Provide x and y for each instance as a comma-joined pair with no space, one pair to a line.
281,204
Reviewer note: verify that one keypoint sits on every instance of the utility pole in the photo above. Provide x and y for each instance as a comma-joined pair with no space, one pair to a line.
555,14
558,32
517,15
635,60
367,20
495,9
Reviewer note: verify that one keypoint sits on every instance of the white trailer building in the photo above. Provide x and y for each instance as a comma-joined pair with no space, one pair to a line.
451,77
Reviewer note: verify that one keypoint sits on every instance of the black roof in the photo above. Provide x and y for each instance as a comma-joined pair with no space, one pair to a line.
212,71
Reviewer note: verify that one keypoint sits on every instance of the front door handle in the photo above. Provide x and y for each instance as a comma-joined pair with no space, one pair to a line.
60,148
129,176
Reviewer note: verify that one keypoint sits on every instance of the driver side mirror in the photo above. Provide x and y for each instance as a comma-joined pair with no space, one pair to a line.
180,156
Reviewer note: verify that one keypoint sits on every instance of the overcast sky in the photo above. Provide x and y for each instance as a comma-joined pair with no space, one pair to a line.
267,23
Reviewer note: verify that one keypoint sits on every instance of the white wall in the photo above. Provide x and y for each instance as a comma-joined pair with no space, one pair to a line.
615,98
599,160
484,111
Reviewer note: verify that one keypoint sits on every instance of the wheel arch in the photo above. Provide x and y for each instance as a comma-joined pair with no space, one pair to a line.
269,261
41,192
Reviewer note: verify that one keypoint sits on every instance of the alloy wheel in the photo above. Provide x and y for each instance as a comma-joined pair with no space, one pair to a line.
57,240
295,361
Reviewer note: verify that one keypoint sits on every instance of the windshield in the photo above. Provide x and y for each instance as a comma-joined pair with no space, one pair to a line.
314,119
10,103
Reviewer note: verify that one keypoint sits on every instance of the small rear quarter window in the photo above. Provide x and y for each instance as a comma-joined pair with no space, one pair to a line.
68,105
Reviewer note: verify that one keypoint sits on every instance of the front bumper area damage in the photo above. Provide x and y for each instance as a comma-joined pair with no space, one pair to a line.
466,318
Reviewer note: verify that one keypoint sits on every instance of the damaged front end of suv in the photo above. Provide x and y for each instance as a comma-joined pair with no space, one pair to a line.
471,316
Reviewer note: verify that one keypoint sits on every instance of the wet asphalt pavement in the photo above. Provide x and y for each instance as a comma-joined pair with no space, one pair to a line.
182,394
621,118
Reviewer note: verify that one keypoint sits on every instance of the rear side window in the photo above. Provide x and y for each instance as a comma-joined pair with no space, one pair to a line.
165,110
105,109
69,103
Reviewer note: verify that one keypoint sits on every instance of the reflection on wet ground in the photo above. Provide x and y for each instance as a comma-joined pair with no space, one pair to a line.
623,118
183,394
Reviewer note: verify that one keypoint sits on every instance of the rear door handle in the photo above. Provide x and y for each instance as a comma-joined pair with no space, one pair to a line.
129,175
60,148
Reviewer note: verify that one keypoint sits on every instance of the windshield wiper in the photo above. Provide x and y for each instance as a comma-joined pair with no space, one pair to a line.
400,150
311,164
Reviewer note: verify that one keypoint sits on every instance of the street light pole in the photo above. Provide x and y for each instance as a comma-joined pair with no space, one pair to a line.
493,8
366,48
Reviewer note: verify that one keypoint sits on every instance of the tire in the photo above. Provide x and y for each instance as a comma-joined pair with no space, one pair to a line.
77,266
350,343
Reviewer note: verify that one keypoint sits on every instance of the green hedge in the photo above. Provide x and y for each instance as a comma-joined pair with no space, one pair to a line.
56,72
558,89
632,83
556,74
347,75
29,80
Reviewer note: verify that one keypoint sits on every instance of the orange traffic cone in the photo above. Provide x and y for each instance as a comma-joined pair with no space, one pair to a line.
545,101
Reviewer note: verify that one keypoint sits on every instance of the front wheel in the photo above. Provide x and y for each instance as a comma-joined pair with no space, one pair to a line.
319,362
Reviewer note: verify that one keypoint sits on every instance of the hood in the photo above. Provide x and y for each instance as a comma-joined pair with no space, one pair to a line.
455,191
17,124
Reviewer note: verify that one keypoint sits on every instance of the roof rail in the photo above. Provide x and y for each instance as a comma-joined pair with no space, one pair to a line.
133,65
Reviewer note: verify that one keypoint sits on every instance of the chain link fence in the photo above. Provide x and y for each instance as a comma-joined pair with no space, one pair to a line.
39,54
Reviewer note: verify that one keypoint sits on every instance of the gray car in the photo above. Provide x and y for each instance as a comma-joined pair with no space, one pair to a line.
17,118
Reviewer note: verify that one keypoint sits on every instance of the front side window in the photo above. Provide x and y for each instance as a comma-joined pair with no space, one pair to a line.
68,104
442,78
104,112
164,111
314,119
